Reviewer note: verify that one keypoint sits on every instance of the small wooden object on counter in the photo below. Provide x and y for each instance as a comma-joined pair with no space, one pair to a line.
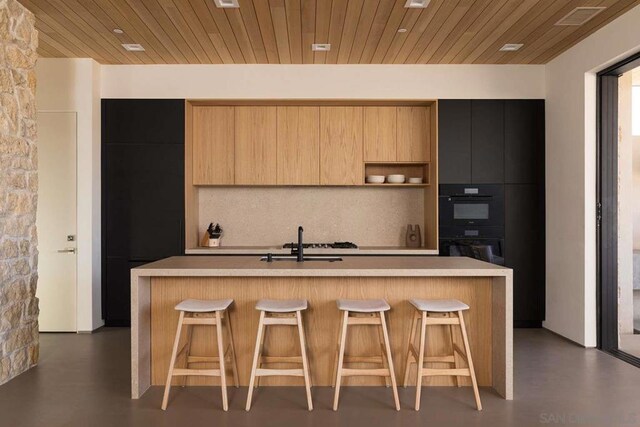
195,312
364,312
445,313
414,238
280,312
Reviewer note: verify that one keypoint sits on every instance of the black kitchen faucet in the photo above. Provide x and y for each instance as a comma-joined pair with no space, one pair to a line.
300,257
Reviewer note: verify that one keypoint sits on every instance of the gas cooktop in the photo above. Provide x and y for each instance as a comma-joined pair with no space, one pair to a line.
334,245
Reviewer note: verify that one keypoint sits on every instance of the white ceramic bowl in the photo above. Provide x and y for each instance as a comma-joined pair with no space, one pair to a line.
375,179
395,179
415,180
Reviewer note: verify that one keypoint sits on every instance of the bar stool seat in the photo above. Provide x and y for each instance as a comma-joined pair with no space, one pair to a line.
197,312
284,313
203,306
446,313
363,305
281,306
439,305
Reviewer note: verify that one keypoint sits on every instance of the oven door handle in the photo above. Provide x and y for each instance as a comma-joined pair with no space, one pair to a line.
476,197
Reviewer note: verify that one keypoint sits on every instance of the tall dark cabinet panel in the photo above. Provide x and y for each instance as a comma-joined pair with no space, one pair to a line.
487,142
142,193
524,141
525,251
454,148
502,142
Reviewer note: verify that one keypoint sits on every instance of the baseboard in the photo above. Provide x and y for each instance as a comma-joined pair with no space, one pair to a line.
527,324
117,323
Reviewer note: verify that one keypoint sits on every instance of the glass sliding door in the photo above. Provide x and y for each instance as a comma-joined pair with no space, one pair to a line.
618,210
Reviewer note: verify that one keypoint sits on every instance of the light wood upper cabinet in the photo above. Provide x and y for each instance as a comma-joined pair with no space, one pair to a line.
298,145
341,151
380,134
413,134
213,146
255,145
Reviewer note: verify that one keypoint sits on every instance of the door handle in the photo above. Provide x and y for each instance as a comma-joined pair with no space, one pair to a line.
67,250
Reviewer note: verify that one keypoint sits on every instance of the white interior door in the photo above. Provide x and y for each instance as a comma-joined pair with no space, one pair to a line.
56,221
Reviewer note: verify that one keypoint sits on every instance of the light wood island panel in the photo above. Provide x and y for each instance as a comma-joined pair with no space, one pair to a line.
321,322
157,287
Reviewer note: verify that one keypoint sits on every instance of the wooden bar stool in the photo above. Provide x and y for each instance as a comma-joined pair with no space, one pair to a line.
280,312
364,312
195,312
449,313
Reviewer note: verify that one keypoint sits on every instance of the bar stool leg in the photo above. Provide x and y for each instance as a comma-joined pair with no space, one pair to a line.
453,351
167,387
335,365
467,350
385,362
305,362
412,339
189,333
223,371
264,334
234,363
256,357
420,362
343,339
392,373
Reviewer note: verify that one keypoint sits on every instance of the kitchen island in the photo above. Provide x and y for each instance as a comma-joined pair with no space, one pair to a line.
157,287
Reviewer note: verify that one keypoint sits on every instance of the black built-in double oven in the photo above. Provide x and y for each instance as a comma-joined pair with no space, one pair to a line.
472,221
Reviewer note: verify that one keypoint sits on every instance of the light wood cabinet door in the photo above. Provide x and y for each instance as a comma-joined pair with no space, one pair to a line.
380,134
213,145
298,146
413,137
255,147
341,150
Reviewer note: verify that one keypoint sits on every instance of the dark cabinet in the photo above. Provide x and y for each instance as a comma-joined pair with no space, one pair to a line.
487,142
153,121
454,136
142,193
502,142
144,218
525,251
524,141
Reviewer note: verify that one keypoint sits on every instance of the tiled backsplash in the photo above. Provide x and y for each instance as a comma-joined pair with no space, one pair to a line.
266,216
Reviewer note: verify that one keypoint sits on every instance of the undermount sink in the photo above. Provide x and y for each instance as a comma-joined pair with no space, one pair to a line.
295,258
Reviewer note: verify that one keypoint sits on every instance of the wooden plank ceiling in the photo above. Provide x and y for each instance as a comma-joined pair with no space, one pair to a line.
282,31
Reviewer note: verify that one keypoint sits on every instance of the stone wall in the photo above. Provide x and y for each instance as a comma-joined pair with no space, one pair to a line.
18,191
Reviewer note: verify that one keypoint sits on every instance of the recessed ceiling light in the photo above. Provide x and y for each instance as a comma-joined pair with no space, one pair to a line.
402,30
118,31
580,15
511,47
133,47
416,4
226,3
321,47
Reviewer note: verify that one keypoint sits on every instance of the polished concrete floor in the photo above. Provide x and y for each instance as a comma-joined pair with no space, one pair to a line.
83,380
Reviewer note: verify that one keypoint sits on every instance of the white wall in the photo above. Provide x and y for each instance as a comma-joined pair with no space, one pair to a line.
571,175
323,81
73,85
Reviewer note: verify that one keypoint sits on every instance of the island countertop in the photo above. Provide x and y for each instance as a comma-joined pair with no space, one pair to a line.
371,266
